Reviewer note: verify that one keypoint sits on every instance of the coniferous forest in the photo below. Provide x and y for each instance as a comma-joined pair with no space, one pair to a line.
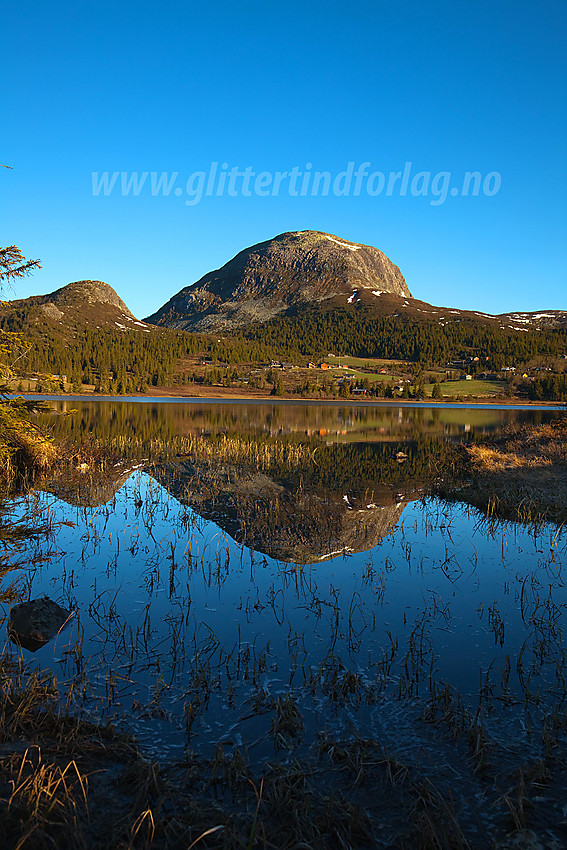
426,343
131,360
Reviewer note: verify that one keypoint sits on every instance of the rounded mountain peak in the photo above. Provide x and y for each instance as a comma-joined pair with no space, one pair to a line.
292,269
89,292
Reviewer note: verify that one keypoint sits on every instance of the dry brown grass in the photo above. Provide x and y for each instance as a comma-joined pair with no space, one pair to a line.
73,785
24,450
33,450
489,459
228,448
527,447
522,475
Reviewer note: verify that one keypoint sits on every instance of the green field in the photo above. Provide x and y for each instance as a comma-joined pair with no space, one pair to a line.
364,368
487,389
449,389
364,362
371,376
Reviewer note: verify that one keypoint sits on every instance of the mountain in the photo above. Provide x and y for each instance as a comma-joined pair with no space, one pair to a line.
291,270
264,511
299,295
310,272
84,302
275,517
536,319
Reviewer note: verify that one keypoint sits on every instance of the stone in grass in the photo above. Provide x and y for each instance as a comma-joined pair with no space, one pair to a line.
33,624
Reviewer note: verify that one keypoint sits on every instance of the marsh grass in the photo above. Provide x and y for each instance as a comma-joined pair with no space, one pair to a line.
70,783
73,784
25,451
521,475
14,538
260,454
523,447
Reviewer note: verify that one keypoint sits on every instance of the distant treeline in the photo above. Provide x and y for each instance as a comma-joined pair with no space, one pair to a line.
122,361
117,360
429,344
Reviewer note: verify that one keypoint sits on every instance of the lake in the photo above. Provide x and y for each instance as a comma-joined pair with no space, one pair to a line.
274,578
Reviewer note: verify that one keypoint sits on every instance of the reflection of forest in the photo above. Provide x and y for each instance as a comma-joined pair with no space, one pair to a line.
343,494
322,423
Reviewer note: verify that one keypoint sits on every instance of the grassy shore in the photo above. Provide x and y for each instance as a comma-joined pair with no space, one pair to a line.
521,475
25,450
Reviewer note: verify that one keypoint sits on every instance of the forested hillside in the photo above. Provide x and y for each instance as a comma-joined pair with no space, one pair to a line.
135,359
360,333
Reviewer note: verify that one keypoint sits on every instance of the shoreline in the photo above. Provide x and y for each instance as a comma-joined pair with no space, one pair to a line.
501,404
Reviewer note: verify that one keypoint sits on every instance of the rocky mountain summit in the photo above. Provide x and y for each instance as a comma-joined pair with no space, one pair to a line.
290,270
84,302
87,292
297,274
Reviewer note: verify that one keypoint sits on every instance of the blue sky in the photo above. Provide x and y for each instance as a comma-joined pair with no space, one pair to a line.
450,87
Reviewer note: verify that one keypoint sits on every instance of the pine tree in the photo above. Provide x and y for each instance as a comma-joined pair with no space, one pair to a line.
277,388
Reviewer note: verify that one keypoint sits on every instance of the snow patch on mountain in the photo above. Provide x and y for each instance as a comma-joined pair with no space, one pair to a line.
342,244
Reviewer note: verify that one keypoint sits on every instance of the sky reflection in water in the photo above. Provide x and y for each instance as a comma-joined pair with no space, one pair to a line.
186,634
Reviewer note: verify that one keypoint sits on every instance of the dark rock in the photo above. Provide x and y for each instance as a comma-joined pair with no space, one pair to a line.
33,624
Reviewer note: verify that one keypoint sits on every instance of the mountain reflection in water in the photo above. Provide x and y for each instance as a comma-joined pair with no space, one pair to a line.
344,496
415,632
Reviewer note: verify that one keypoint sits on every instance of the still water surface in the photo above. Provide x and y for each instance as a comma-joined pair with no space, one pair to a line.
205,589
